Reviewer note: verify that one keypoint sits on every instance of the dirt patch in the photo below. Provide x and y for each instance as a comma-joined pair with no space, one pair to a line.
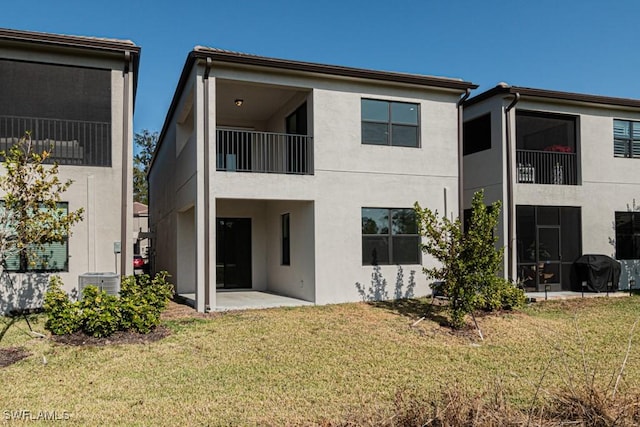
11,355
120,337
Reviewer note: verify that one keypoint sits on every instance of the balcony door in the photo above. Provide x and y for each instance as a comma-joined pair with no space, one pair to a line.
296,148
233,253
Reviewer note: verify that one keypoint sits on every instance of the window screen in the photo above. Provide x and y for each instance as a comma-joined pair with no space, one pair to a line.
66,109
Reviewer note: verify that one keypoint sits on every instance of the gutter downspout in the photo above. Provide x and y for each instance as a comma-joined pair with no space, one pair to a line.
125,235
460,158
511,232
207,207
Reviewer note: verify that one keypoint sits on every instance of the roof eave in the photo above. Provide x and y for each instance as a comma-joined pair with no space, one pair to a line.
310,67
556,96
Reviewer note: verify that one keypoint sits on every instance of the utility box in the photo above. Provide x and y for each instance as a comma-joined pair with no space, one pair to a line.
108,282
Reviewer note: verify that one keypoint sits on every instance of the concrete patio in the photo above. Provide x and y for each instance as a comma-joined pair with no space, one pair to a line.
245,299
540,296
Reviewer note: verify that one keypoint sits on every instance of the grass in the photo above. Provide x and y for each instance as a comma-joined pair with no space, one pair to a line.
325,364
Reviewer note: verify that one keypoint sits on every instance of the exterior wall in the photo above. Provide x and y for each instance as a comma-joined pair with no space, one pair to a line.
349,176
487,169
606,184
609,184
172,191
297,279
326,207
99,190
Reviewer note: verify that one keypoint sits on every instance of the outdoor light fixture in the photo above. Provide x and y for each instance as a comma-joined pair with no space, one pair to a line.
239,102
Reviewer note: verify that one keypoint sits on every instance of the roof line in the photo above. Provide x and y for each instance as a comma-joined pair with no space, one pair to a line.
503,88
248,59
68,41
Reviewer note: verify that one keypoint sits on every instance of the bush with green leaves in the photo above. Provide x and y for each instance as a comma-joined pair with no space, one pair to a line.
142,300
100,312
469,261
63,315
138,307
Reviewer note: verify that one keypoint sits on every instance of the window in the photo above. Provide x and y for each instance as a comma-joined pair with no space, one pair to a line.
626,138
476,135
286,241
390,123
52,257
63,107
627,235
389,236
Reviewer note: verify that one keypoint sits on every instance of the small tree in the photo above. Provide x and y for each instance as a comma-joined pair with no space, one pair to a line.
145,144
31,216
469,262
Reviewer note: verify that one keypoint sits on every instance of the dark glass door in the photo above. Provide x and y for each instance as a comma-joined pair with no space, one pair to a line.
296,129
233,253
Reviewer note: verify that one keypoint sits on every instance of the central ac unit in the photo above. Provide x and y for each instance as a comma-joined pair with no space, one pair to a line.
108,282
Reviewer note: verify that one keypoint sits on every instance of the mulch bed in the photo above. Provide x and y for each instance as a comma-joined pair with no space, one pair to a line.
120,337
12,355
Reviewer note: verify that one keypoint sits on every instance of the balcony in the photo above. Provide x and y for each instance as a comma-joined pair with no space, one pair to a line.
264,152
71,142
544,167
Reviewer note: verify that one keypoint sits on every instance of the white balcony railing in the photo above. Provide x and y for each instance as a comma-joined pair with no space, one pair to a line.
546,167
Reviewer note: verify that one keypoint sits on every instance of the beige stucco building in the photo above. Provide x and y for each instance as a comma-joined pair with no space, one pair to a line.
76,95
564,166
299,178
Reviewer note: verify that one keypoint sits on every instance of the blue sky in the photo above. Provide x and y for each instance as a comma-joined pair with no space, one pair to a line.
571,45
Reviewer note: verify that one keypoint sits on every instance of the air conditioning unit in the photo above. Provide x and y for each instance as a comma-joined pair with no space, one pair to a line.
108,282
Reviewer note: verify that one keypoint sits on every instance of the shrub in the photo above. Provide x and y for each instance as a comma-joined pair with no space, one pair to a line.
64,316
138,307
468,261
498,293
100,312
142,300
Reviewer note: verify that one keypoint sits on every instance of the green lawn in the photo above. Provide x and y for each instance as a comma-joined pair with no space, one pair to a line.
310,365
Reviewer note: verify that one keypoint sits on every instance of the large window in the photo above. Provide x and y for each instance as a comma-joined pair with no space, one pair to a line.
390,123
389,236
476,135
66,109
51,257
627,235
626,138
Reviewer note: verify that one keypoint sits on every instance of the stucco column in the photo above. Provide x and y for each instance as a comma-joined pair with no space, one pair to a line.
126,224
210,168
